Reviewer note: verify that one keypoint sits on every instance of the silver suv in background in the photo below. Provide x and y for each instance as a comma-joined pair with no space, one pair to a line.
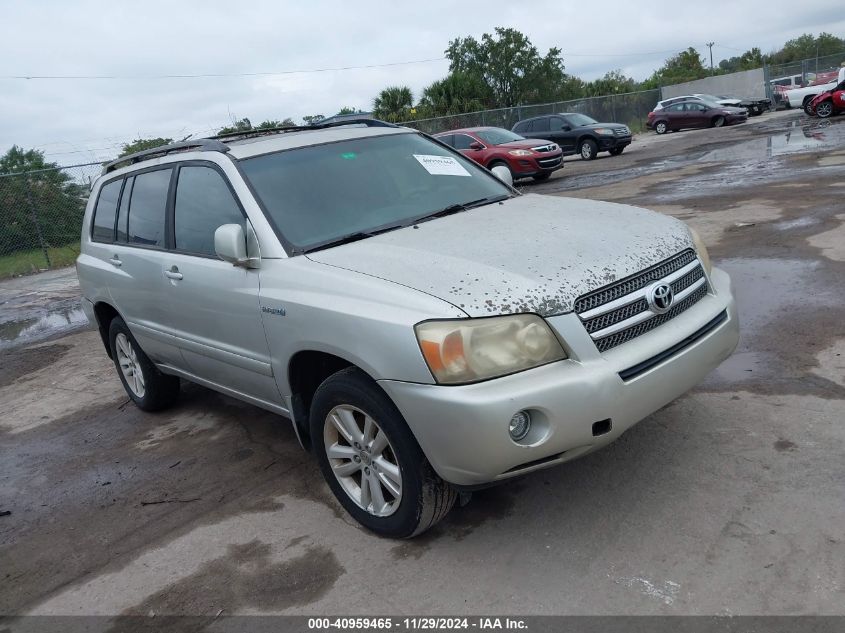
425,327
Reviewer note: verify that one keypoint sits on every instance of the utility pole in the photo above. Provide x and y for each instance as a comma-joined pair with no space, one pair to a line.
710,46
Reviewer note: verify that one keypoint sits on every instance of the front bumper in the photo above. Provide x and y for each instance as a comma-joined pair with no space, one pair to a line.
528,167
607,143
463,430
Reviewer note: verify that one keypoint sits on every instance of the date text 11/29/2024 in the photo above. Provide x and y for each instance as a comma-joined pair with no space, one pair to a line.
416,624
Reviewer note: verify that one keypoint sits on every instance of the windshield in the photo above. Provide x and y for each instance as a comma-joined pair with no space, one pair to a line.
498,136
577,120
321,194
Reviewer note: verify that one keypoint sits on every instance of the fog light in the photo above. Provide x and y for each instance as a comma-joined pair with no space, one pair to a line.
520,425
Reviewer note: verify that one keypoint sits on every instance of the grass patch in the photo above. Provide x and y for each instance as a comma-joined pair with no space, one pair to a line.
32,261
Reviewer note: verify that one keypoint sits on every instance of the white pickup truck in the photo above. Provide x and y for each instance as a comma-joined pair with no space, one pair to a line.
801,97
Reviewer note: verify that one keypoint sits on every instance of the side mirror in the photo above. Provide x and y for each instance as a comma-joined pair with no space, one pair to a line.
476,145
230,244
504,174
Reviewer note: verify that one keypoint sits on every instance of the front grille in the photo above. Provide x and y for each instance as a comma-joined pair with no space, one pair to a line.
646,326
604,312
545,148
622,131
634,282
549,162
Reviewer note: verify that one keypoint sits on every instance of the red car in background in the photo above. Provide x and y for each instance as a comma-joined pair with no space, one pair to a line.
828,103
491,146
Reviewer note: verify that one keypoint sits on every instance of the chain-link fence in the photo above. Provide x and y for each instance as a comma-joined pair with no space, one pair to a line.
812,70
41,217
630,108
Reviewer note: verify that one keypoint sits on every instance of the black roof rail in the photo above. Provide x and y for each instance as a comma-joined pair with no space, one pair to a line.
208,144
233,136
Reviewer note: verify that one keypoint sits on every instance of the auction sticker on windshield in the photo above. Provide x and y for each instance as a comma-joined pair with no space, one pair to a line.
441,165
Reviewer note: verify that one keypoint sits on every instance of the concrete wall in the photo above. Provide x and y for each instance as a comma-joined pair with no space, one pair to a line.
747,84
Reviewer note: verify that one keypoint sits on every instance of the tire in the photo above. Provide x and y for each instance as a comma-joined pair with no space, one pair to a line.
824,109
501,163
718,121
344,407
661,127
145,385
806,105
588,149
616,151
543,177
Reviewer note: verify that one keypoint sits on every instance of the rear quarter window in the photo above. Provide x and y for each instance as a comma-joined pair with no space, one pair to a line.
147,208
105,212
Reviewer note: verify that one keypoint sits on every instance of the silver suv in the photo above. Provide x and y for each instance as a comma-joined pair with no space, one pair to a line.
426,328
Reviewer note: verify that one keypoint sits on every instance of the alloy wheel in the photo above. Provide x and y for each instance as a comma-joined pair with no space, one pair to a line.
824,109
362,460
129,365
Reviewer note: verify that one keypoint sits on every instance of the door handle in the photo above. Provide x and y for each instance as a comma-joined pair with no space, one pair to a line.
173,273
115,261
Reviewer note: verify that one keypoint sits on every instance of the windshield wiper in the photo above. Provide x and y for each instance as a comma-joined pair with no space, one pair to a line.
457,208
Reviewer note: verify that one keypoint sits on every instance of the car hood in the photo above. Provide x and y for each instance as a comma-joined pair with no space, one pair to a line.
527,143
732,110
531,253
612,126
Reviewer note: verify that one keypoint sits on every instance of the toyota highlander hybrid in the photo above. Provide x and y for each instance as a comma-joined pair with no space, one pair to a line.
427,329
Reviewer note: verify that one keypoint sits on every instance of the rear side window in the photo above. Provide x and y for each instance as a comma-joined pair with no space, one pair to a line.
203,203
462,141
123,212
449,139
522,126
542,125
147,208
105,211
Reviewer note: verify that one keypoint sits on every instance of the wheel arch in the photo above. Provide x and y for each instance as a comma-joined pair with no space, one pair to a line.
307,370
105,313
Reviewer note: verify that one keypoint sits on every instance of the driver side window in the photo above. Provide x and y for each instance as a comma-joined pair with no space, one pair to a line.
203,203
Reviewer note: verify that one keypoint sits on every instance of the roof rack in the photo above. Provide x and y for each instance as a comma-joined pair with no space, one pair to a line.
234,136
208,144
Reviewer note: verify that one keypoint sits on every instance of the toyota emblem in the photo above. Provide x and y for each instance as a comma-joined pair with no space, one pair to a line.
660,297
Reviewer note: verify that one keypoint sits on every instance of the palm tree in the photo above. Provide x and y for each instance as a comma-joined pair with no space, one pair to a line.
393,104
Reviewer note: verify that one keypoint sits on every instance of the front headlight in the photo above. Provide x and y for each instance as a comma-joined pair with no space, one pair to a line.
469,350
701,249
604,131
520,152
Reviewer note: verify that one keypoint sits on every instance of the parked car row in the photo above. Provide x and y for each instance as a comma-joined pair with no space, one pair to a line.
693,111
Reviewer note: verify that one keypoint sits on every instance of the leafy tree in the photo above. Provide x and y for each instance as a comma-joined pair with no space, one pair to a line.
806,46
393,104
244,125
613,82
348,110
749,60
44,201
313,119
510,65
140,144
456,93
685,66
273,123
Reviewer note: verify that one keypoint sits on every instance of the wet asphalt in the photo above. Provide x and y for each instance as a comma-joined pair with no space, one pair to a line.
730,500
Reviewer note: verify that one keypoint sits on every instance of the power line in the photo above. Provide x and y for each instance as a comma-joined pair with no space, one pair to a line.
223,75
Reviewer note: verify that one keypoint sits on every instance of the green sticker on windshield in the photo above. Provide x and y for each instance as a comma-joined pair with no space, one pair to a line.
348,155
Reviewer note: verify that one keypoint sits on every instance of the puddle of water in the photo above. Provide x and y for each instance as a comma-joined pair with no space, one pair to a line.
799,223
34,328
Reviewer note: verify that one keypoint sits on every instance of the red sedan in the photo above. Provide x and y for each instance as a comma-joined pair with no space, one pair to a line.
491,146
828,103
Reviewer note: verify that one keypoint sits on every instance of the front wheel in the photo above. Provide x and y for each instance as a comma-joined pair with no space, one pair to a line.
808,108
145,385
660,127
588,149
824,109
616,151
718,121
371,461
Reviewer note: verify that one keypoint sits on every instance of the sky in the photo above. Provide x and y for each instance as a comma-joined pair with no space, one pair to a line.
86,120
